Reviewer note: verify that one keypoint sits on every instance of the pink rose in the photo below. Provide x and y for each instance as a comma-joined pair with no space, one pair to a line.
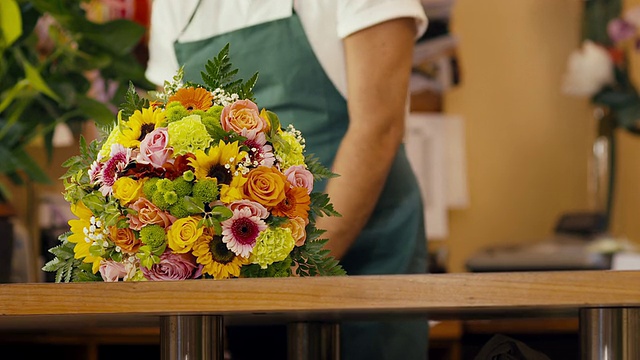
255,208
299,176
242,114
112,271
148,214
153,148
173,267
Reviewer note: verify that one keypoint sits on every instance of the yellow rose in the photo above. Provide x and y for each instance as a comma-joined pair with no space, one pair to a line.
183,234
127,190
265,185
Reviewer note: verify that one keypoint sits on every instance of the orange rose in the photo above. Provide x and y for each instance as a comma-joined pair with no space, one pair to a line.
125,238
265,185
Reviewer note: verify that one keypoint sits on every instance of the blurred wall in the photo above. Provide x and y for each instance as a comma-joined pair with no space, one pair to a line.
527,143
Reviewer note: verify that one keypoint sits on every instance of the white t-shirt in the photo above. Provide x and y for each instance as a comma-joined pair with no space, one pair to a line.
325,22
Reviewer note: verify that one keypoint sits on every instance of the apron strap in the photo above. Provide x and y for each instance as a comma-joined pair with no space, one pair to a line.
190,20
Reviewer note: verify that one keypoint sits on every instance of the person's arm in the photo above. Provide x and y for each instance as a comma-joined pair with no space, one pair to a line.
378,62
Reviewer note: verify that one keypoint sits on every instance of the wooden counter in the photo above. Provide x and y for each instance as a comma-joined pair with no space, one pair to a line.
324,299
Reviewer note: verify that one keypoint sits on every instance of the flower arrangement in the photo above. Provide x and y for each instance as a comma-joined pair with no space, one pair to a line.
600,68
197,182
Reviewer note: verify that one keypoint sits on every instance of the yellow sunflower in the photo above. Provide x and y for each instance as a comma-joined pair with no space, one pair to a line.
139,125
220,162
217,260
193,98
78,226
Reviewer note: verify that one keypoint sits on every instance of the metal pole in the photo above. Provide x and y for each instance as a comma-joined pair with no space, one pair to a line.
610,333
192,337
313,341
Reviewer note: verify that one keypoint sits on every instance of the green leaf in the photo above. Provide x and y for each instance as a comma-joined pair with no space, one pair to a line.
320,205
94,202
10,22
319,171
118,36
27,164
222,213
96,110
132,102
35,80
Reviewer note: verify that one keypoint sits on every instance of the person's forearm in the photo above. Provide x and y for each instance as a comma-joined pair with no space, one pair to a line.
363,167
378,68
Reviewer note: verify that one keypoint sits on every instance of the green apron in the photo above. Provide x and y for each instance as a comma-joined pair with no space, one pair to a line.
293,84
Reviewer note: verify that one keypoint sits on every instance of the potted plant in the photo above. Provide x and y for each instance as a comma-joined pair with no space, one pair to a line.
53,60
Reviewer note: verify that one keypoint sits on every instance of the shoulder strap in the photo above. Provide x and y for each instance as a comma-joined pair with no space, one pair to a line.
190,19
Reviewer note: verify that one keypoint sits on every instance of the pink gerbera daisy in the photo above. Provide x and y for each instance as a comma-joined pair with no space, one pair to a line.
120,158
241,231
95,170
260,153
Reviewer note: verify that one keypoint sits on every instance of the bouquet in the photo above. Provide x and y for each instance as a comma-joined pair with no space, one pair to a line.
195,182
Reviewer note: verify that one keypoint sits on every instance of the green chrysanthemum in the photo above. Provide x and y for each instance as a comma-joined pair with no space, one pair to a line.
272,245
175,111
182,187
205,190
149,188
290,153
152,235
179,209
188,135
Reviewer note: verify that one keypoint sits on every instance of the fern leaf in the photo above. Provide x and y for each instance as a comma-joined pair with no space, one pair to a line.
132,102
319,171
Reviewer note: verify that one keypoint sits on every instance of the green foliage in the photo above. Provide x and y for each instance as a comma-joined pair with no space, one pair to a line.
321,206
313,260
66,267
219,73
320,172
132,102
277,269
43,80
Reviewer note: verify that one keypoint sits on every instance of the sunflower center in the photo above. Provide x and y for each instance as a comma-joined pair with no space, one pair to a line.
244,231
221,174
219,251
145,129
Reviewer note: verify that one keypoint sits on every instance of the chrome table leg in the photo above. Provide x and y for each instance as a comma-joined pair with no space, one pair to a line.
313,341
192,337
610,333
